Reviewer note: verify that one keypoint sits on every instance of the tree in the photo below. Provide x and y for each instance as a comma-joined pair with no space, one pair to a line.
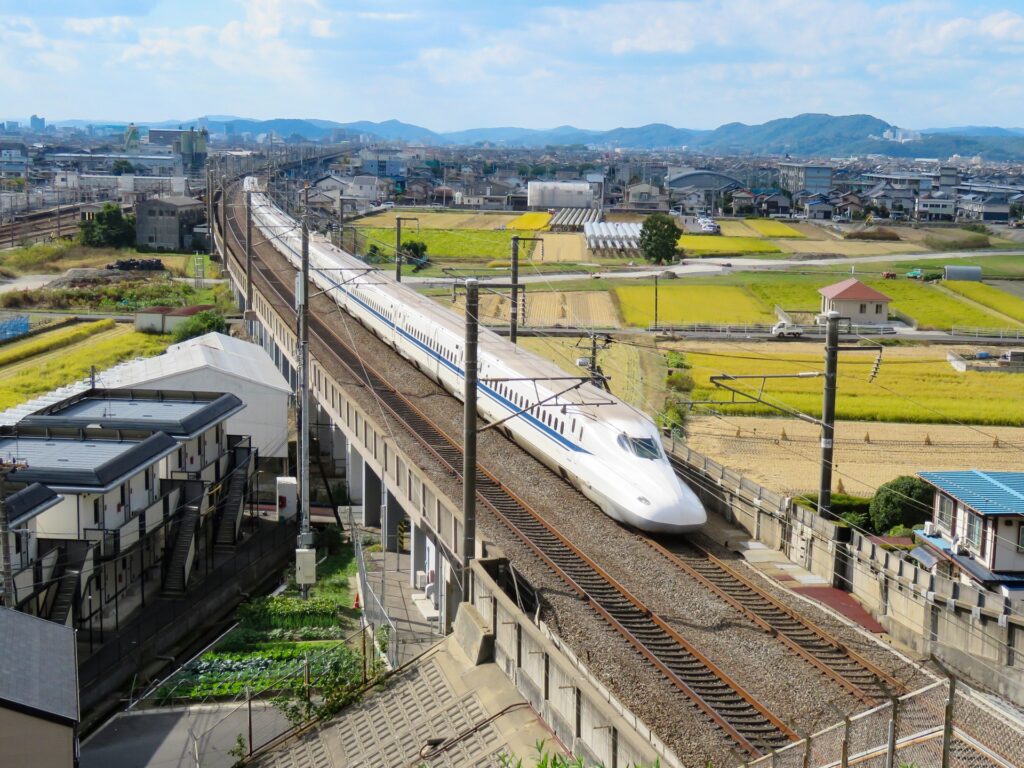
109,228
415,253
201,323
906,501
122,166
659,237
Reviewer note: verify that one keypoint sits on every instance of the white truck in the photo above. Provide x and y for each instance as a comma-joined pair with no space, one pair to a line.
783,329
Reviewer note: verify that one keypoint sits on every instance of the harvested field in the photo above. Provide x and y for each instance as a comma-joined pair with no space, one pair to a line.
850,247
711,244
544,309
567,246
626,217
756,447
680,304
914,384
772,228
438,220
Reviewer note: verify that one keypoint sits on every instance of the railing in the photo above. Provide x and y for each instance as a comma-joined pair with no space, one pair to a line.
750,329
374,613
942,724
988,333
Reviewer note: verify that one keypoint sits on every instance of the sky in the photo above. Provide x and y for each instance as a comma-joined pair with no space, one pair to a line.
451,64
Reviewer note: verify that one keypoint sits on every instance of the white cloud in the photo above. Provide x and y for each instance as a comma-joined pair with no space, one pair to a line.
102,25
386,16
320,28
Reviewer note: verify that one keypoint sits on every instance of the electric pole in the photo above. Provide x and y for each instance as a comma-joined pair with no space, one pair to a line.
828,413
469,433
305,539
513,333
655,302
209,206
398,243
248,251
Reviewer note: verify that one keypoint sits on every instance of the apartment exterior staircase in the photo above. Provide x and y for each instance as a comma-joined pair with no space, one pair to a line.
68,571
233,503
176,578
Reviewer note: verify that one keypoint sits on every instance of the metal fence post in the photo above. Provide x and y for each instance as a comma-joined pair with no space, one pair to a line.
890,753
248,706
807,751
947,724
844,757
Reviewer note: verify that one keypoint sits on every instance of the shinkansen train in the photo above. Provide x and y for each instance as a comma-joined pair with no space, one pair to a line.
607,449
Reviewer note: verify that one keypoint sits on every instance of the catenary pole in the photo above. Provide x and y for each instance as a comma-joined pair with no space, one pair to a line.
513,315
248,251
305,534
469,433
828,413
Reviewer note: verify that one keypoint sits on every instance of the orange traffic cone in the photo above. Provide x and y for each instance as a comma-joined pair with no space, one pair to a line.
356,606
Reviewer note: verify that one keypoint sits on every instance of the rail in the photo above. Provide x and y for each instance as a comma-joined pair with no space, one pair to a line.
723,701
860,677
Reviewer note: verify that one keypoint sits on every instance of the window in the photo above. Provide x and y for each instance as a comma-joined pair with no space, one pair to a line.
95,511
946,507
878,309
974,531
644,447
863,308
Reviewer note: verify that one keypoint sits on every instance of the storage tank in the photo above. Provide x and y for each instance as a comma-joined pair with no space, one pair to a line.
951,272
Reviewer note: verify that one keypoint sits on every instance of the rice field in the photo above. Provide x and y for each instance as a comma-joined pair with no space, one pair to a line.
561,247
914,384
534,221
454,244
547,309
48,371
712,244
927,304
680,304
47,342
772,228
735,228
993,298
437,220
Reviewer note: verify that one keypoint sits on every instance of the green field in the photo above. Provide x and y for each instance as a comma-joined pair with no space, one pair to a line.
771,228
914,384
711,244
451,244
993,298
680,303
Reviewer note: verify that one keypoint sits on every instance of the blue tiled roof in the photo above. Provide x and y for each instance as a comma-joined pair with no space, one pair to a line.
991,493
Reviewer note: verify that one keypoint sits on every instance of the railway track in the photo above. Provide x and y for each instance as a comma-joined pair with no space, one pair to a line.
727,705
860,677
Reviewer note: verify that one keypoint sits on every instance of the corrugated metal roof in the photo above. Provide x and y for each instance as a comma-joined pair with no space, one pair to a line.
991,493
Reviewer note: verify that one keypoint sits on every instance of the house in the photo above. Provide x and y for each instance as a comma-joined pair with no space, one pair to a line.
643,196
935,207
14,160
742,202
852,299
885,196
981,206
818,208
39,711
847,205
772,204
977,528
166,223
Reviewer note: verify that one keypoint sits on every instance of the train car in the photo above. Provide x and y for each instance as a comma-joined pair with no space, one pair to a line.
606,448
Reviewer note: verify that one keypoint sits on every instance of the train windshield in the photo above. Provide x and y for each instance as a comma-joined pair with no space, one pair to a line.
644,447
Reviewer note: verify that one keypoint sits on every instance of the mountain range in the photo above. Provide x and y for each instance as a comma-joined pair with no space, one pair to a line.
806,135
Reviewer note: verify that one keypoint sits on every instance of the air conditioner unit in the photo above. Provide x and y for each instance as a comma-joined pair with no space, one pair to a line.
930,529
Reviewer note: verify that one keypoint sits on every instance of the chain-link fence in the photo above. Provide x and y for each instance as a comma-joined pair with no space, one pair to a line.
945,724
375,617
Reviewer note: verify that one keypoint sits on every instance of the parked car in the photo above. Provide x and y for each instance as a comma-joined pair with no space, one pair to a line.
387,205
782,329
915,274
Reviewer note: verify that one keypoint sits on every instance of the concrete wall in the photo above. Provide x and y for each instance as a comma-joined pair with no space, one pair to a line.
582,713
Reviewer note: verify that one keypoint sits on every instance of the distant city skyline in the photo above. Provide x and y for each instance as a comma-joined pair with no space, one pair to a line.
455,65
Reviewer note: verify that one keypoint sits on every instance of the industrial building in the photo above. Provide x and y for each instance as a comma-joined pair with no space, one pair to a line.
559,194
166,223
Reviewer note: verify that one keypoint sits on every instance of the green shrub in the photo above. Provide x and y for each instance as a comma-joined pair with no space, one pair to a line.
675,359
282,612
907,501
976,226
329,538
680,382
207,321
